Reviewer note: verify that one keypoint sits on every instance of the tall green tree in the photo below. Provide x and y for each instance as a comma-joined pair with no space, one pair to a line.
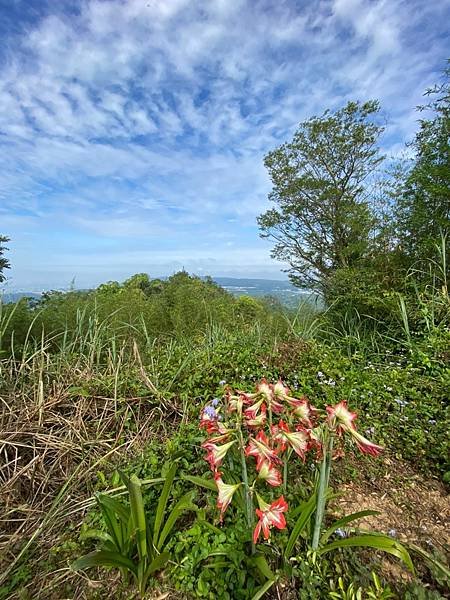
322,219
424,202
4,262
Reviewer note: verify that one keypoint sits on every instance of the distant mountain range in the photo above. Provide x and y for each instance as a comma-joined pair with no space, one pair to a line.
283,290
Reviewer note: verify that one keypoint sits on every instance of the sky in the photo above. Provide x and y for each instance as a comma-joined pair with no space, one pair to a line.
133,132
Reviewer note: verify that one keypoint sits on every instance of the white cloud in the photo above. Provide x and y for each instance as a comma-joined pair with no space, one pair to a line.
145,114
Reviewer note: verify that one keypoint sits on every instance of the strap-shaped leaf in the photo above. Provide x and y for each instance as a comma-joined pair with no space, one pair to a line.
262,565
429,557
263,589
298,509
378,542
138,515
157,564
122,511
303,519
209,484
103,558
96,534
162,503
345,520
185,503
112,524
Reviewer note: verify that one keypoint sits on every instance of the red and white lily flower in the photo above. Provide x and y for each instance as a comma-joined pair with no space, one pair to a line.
259,420
270,515
365,445
226,492
236,403
215,453
297,440
260,449
280,391
302,409
267,391
341,420
270,474
252,411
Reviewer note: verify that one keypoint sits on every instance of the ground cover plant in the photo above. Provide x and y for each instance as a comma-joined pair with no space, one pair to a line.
91,395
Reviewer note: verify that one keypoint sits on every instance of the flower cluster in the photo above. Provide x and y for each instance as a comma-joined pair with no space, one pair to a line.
270,426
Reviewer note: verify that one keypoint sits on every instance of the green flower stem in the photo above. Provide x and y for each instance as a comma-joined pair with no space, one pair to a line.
286,458
324,478
247,490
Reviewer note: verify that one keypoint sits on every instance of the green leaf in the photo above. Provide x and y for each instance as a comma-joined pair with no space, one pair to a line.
305,515
95,534
263,589
347,519
376,541
110,518
103,558
137,514
114,505
185,503
436,563
157,564
262,565
162,503
209,484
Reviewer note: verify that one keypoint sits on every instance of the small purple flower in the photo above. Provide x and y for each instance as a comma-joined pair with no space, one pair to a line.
215,402
340,533
392,533
209,410
222,382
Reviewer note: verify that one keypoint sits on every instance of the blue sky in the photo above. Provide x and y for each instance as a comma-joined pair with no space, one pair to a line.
133,131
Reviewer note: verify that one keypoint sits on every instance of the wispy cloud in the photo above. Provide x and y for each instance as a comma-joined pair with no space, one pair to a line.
135,130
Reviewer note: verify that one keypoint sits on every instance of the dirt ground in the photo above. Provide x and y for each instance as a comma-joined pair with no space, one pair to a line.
412,509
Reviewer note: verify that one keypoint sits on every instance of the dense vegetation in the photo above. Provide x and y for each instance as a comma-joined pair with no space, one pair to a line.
103,450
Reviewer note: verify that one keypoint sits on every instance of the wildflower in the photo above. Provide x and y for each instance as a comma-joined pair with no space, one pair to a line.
297,440
270,515
392,533
267,392
259,448
215,453
226,492
401,402
270,474
222,382
208,419
215,402
259,420
302,409
341,420
340,533
365,445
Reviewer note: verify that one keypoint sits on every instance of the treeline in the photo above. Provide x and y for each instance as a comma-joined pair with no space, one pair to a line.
360,228
140,308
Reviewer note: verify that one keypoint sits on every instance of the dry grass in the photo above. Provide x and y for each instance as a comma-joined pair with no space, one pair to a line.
52,442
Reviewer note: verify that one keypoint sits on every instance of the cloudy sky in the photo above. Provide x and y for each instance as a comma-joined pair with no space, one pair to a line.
133,131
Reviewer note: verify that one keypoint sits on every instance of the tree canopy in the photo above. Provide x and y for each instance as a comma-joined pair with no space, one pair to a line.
322,219
4,262
424,204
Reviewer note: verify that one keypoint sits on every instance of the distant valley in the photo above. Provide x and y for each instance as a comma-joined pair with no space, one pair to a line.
284,291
